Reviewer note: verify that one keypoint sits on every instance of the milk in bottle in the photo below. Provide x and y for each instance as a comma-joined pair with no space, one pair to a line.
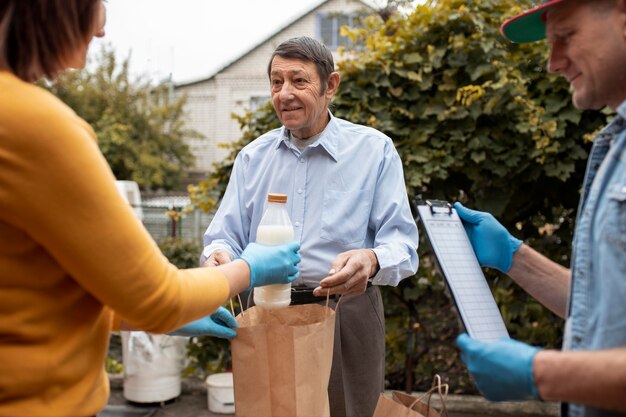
274,229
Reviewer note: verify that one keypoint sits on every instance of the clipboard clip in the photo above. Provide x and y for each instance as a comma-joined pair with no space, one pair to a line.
439,207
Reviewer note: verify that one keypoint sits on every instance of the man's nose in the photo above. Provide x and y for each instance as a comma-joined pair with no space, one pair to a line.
557,61
286,92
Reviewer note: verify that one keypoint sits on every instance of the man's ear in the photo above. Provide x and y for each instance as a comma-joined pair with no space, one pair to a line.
621,8
333,83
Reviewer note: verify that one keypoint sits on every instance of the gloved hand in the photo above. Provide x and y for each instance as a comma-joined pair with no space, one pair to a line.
217,324
272,264
493,244
502,370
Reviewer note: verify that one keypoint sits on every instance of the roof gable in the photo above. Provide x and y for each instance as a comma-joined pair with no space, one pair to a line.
313,10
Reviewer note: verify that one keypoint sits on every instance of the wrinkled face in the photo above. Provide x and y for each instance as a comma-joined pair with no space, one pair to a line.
588,48
297,98
79,58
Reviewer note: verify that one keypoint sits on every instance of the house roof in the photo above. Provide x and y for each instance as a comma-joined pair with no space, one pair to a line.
258,45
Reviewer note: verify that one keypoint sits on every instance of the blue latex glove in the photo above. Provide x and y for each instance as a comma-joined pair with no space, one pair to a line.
217,324
272,264
493,244
502,370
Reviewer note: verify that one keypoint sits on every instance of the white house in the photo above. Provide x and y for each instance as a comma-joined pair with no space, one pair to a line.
243,84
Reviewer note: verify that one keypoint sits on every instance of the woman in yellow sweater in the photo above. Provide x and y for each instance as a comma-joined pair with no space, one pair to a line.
74,261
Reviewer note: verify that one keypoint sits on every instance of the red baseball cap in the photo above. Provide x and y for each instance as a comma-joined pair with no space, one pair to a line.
529,26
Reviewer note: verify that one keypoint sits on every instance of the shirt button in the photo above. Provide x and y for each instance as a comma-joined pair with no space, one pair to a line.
300,190
302,160
297,224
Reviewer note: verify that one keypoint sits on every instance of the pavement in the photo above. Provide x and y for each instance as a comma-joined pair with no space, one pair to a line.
193,403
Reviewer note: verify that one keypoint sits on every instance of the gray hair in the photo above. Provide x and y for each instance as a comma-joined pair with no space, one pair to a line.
307,49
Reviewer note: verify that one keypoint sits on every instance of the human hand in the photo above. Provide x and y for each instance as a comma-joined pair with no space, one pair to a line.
217,258
349,273
272,264
218,324
502,370
493,244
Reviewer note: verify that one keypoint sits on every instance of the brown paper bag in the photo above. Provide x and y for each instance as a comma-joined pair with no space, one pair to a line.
405,405
281,361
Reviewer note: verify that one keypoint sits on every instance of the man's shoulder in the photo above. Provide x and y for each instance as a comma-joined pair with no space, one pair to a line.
366,131
373,137
263,143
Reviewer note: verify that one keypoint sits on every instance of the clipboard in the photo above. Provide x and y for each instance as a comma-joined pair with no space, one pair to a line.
472,296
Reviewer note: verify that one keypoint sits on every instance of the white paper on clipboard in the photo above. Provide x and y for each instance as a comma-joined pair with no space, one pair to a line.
471,293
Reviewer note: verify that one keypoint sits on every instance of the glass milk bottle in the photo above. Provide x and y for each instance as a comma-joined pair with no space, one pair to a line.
274,229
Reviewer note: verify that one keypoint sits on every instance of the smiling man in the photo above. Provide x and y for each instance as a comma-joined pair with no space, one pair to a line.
348,204
587,40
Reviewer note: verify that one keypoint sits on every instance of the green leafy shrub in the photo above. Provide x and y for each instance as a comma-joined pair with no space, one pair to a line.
475,119
180,252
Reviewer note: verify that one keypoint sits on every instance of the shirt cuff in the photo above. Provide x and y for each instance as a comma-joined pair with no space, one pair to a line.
389,270
208,250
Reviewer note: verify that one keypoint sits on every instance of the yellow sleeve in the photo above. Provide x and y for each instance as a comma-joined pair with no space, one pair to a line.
64,196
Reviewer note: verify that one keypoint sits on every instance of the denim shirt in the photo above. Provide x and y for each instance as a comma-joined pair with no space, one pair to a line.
597,304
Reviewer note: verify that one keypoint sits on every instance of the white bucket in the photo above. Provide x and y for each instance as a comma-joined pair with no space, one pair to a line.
220,393
152,366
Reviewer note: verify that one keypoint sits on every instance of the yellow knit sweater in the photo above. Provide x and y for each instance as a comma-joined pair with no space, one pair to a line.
71,254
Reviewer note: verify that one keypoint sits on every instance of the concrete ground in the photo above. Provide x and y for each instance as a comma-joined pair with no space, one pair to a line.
193,403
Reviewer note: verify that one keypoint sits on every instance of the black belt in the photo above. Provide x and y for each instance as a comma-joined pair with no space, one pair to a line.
305,296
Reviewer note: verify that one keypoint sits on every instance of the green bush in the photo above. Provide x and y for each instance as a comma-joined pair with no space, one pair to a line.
475,119
180,252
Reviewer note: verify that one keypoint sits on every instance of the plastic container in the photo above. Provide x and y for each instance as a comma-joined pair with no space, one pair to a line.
153,364
274,229
130,192
220,393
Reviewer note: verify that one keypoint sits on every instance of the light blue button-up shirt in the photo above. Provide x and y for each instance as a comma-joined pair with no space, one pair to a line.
597,305
345,191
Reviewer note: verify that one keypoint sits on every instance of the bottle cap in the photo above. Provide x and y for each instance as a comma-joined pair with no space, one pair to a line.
277,198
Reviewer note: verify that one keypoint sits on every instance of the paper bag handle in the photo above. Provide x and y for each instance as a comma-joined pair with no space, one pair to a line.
442,395
232,308
327,300
336,304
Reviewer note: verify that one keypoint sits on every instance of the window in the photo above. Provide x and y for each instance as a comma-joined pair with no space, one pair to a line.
329,26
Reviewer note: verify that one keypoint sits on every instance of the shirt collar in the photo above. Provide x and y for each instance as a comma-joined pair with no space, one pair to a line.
610,132
327,140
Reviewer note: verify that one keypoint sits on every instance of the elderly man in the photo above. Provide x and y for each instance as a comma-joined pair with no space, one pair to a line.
348,205
587,39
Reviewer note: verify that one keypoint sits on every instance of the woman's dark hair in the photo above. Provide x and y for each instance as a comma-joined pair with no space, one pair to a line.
307,49
38,37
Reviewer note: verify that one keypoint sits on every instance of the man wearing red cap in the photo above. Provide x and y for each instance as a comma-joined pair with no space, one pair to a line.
587,41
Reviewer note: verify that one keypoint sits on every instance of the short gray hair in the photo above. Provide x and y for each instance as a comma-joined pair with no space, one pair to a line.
307,49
